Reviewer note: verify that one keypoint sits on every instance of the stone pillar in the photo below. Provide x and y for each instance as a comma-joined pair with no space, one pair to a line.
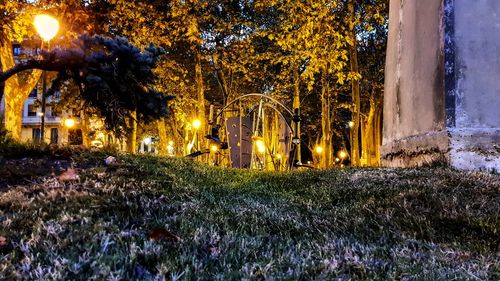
442,84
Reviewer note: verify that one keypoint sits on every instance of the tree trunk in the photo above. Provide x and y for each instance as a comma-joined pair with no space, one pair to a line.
132,135
85,129
356,103
378,134
200,92
162,134
371,134
15,91
326,136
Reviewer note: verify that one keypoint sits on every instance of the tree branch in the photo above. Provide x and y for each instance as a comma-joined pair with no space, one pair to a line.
45,64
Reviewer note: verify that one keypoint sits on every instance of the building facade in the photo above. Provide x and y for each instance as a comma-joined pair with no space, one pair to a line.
61,127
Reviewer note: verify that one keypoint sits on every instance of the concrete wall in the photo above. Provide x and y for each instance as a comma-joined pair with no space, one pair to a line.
414,70
477,40
442,87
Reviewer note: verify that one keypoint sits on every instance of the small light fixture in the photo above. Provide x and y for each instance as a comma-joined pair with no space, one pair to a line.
318,149
261,147
196,124
214,148
342,154
69,123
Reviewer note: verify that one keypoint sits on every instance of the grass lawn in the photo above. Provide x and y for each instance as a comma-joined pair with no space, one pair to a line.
122,222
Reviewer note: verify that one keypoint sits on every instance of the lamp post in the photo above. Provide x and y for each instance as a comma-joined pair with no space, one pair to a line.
342,155
319,151
47,27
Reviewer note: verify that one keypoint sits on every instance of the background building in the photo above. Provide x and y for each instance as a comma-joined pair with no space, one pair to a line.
61,127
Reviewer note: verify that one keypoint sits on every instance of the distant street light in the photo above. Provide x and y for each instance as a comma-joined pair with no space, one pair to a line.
318,149
214,148
70,122
342,155
47,27
261,146
196,124
351,124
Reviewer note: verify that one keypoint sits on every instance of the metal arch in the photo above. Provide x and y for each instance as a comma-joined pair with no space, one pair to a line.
254,95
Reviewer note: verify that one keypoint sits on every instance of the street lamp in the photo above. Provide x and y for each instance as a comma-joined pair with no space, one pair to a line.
196,124
342,155
70,122
261,146
318,149
214,148
47,27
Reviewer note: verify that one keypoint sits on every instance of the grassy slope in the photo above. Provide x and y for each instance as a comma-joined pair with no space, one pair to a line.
424,224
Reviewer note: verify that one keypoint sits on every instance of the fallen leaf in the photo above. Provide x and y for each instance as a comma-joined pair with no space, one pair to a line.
69,175
214,251
110,160
161,233
3,241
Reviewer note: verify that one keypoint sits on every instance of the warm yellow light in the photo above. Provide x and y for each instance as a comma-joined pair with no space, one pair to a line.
318,149
189,146
337,159
278,156
147,140
214,148
196,124
171,143
342,154
69,123
46,26
261,147
351,124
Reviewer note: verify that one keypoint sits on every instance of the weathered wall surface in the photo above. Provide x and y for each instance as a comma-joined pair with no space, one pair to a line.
442,87
477,40
414,70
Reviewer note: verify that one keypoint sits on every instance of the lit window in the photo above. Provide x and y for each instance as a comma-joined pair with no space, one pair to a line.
17,50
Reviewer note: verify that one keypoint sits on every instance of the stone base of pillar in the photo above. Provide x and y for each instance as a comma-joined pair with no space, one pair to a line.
465,149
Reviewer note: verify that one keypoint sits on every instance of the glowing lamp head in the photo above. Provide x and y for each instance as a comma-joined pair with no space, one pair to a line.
196,124
278,156
46,26
171,143
261,147
147,140
318,149
351,124
214,148
342,154
69,122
